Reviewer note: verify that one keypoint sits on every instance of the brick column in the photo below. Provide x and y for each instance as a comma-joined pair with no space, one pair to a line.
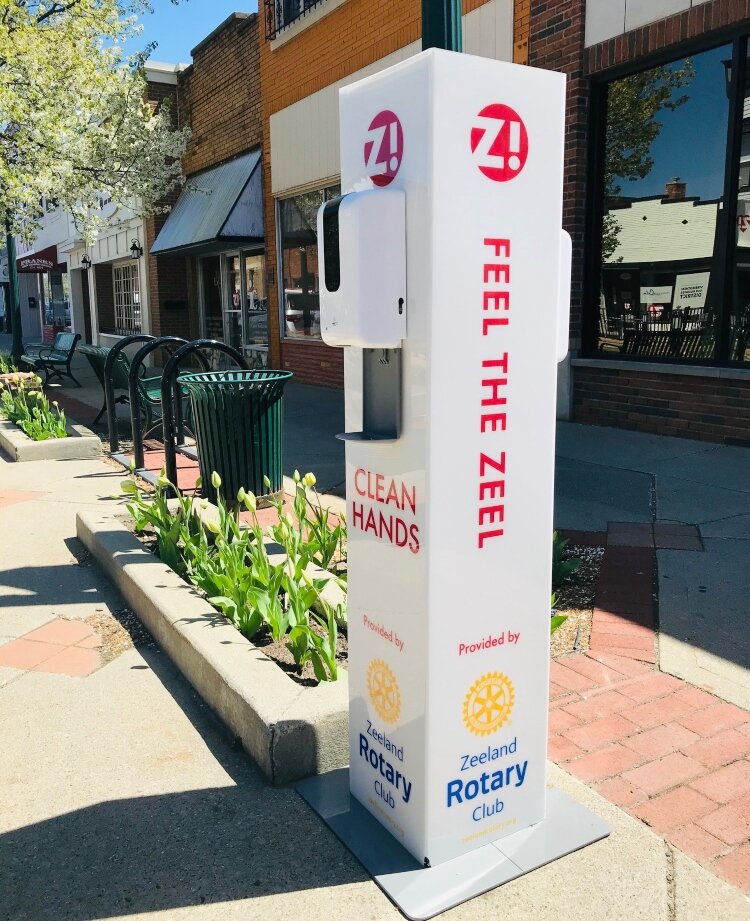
556,42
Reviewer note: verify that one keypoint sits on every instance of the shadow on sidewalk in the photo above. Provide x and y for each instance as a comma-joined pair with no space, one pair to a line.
153,853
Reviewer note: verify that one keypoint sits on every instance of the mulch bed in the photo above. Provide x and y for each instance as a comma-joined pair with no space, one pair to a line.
575,599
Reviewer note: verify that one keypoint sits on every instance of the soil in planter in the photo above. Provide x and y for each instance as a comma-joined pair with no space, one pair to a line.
575,600
285,660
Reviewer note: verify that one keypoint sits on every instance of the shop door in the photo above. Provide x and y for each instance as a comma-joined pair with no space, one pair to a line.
213,324
233,303
255,315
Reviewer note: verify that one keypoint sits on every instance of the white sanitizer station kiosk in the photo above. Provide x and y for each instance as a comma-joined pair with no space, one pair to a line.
444,275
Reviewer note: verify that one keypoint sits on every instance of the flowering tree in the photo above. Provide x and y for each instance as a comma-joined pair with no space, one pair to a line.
74,119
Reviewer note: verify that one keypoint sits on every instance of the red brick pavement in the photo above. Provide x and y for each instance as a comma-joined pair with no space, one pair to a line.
673,755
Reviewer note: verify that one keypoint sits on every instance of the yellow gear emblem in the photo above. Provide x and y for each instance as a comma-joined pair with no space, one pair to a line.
488,704
384,692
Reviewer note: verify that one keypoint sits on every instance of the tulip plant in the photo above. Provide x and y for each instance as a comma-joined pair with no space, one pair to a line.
277,595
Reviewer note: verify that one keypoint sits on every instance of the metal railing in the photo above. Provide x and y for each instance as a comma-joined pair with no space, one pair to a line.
282,13
169,343
109,390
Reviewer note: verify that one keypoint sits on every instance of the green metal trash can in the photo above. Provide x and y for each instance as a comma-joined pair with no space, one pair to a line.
238,419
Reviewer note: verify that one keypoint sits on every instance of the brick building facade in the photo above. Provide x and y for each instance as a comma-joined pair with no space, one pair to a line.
259,84
301,68
168,277
195,281
644,378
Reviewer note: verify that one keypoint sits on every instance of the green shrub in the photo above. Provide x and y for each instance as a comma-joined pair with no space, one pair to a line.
7,364
556,620
561,568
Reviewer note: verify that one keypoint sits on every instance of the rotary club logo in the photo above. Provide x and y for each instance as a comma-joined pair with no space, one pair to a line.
488,704
384,692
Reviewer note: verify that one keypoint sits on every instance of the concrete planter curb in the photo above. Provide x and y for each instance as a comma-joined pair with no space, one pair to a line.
81,443
291,731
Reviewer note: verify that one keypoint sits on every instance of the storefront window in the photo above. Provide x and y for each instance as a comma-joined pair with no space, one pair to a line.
738,321
299,262
662,289
127,298
256,307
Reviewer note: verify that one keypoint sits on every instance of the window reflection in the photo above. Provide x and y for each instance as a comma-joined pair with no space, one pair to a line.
299,258
664,177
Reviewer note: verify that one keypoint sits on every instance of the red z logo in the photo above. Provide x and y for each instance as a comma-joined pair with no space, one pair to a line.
384,148
499,142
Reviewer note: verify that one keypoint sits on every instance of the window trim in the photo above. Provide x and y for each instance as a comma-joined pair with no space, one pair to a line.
725,251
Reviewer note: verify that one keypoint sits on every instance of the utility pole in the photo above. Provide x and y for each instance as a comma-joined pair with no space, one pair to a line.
441,25
15,295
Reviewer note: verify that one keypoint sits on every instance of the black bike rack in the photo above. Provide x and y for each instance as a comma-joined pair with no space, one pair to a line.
171,415
135,396
109,390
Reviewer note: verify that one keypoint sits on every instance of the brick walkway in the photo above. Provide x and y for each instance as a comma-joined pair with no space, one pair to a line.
60,647
671,754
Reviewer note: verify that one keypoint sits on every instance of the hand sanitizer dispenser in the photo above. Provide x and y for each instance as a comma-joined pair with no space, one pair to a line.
363,273
449,480
363,297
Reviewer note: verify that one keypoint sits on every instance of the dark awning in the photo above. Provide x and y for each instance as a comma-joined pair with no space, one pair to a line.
221,205
43,261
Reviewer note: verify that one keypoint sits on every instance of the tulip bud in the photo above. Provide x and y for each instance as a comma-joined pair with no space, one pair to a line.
215,480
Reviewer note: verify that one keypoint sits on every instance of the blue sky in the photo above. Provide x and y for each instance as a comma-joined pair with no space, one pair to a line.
179,28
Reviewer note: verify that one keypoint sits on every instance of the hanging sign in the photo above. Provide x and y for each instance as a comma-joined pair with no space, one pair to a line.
43,261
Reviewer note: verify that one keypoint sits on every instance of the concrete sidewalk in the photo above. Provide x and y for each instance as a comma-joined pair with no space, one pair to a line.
124,798
610,475
115,767
603,476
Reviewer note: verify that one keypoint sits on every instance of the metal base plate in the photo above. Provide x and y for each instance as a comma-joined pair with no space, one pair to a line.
148,475
422,893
